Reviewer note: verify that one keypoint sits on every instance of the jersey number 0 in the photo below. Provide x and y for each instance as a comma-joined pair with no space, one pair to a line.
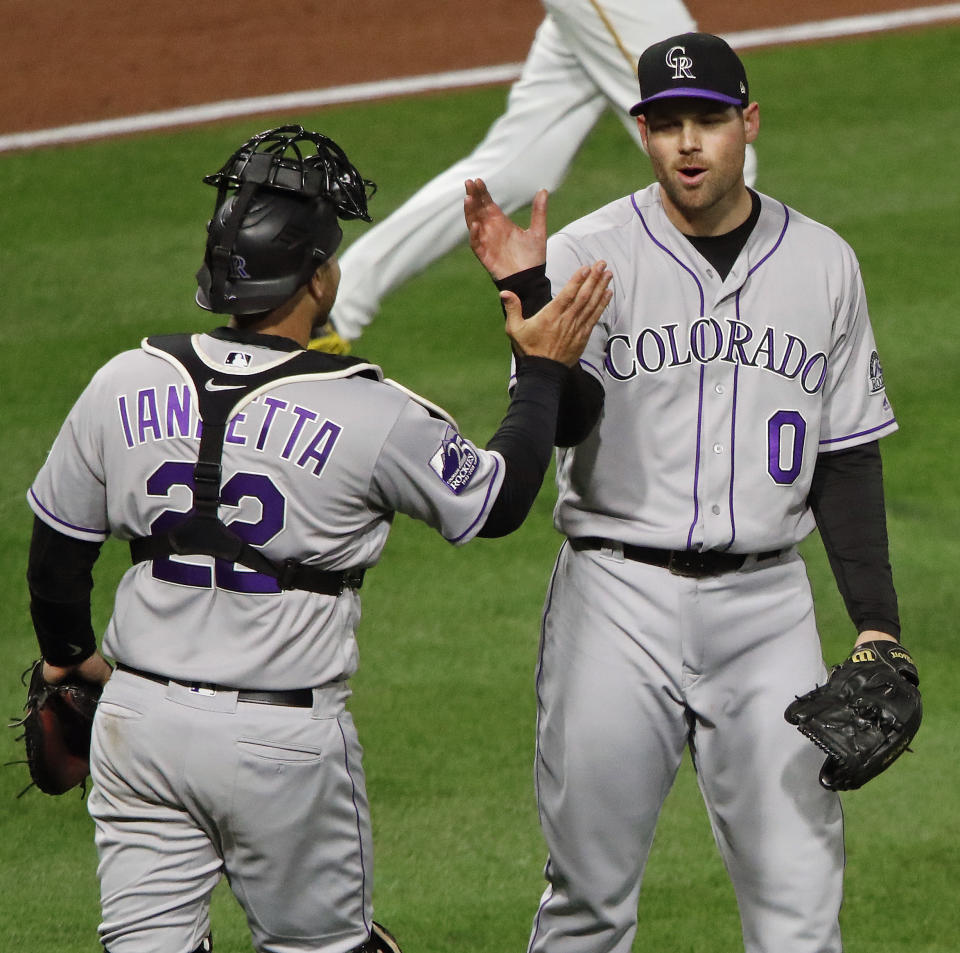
786,430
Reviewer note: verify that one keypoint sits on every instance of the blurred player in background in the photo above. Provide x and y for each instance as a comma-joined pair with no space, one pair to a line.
582,61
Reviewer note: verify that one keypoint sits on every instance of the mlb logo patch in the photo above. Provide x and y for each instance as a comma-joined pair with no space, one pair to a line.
455,461
238,359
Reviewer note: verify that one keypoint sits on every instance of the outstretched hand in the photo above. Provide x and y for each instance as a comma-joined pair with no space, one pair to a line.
501,246
560,330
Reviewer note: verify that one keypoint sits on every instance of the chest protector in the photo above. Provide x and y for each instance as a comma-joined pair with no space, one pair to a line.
202,532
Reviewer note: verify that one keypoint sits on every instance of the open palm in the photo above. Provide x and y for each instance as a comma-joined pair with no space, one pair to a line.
502,246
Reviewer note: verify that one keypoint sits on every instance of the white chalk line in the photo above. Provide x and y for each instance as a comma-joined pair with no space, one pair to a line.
456,79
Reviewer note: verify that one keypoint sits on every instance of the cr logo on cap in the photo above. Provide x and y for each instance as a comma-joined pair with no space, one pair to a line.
681,63
238,267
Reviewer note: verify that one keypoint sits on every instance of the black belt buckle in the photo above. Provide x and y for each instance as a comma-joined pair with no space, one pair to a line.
285,577
352,579
688,563
698,565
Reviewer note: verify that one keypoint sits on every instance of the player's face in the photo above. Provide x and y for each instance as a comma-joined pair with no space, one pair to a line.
697,149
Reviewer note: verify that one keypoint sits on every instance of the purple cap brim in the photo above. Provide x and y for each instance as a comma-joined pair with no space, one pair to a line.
685,93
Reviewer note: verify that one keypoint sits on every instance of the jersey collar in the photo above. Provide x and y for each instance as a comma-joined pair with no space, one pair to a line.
253,338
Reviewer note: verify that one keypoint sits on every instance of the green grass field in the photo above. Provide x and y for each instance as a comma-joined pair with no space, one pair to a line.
99,246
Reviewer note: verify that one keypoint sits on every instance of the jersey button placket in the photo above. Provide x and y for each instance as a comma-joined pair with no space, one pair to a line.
718,393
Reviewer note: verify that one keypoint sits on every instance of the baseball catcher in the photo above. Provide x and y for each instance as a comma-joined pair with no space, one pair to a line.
235,627
57,728
864,716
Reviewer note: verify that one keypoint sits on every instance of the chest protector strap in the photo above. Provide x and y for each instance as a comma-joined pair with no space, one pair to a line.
202,532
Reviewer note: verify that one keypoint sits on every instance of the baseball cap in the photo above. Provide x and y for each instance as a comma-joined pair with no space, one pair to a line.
698,65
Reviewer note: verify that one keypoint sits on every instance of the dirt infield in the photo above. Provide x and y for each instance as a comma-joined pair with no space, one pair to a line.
70,63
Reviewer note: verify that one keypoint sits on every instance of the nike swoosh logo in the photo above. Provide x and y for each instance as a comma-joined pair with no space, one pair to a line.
211,386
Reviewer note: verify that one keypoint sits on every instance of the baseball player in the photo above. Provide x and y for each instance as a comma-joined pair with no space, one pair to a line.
256,482
736,401
581,62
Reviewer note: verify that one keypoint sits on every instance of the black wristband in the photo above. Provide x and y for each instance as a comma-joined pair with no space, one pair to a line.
582,398
64,631
531,286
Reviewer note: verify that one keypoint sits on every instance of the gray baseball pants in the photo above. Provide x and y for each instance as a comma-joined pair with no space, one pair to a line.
636,665
190,786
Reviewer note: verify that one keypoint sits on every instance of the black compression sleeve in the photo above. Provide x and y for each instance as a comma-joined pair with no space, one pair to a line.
60,578
847,500
581,404
531,286
582,400
524,440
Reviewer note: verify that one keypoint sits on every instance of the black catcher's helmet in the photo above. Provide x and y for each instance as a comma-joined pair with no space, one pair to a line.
279,198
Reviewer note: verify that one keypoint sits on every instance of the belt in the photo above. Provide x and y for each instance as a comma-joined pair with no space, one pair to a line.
681,562
292,698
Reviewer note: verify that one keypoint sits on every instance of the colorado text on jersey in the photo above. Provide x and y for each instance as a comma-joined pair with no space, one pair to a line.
711,339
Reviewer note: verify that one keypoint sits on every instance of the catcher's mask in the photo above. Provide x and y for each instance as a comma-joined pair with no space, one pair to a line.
279,198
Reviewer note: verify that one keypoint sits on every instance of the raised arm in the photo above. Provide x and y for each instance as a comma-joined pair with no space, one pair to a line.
549,343
515,258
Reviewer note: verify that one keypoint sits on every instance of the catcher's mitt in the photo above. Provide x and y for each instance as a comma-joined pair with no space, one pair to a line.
57,728
865,715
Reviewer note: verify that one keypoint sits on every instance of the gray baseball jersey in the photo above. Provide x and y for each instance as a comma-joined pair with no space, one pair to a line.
313,469
719,395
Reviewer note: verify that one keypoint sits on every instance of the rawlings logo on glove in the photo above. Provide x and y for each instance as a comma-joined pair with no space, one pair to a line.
864,716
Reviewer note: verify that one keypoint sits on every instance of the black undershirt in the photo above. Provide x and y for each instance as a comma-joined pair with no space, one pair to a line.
60,578
525,441
846,497
722,250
